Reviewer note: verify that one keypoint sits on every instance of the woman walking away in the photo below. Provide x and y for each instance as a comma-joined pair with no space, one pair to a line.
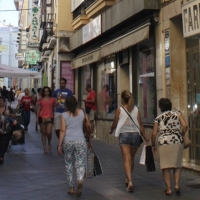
170,127
129,133
73,142
44,117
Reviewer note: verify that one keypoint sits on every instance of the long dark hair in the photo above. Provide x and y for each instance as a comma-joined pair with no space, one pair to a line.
42,92
71,105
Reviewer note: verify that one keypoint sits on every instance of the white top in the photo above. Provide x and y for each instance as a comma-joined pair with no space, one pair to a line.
125,124
20,96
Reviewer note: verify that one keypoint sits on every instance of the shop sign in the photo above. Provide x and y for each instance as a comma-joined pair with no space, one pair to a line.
86,59
32,57
75,4
92,29
33,69
191,18
167,48
34,28
68,73
19,56
3,47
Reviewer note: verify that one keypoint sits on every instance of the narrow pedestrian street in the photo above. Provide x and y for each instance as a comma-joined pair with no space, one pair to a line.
29,174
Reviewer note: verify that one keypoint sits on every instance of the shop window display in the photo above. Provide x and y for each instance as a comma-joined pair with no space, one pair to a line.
106,88
146,81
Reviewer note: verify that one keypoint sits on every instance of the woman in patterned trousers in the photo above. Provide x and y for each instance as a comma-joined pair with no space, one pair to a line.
73,143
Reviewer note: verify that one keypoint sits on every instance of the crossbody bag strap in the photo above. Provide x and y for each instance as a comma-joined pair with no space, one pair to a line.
131,118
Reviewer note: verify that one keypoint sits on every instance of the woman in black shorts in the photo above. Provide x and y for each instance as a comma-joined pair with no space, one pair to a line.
128,133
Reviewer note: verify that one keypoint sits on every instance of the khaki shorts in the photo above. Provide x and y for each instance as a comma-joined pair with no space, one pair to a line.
91,116
57,120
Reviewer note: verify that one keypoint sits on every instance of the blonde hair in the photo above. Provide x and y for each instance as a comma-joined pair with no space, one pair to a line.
127,99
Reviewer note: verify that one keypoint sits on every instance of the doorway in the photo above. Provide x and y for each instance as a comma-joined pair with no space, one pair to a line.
193,93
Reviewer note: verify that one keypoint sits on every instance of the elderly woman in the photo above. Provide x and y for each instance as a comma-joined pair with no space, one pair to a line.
73,143
170,127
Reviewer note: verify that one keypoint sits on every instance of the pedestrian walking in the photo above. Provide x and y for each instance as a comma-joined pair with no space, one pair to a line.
4,93
45,115
73,142
26,102
11,96
60,95
170,127
128,133
90,106
5,127
38,97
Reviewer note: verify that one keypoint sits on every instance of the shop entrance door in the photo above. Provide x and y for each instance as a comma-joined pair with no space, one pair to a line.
193,76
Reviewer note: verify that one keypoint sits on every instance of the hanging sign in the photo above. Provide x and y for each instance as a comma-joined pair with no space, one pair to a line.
34,26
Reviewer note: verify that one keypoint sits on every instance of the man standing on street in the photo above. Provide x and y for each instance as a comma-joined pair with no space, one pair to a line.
60,95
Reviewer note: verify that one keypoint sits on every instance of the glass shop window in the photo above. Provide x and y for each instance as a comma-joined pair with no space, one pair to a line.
106,88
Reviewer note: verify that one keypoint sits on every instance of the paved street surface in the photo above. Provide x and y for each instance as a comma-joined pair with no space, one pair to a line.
33,175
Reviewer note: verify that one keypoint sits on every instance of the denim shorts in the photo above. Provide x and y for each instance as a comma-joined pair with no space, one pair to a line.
132,139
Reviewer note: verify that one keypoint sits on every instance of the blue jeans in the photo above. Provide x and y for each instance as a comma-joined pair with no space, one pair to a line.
27,116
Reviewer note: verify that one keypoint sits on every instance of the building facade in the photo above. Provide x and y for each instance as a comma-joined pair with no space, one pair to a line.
8,49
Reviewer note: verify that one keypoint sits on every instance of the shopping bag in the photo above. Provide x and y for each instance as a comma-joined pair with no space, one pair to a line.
97,165
143,156
150,164
89,165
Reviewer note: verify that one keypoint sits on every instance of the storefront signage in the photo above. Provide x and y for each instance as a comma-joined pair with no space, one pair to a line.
191,18
32,57
3,47
75,4
68,73
86,59
167,48
33,69
92,29
19,56
34,28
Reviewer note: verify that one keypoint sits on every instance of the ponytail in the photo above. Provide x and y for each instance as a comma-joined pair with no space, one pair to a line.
127,98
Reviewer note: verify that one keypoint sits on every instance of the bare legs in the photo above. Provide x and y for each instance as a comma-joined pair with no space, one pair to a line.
167,178
128,154
46,133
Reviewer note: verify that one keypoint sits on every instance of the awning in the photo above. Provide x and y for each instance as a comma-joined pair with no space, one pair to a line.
86,59
127,40
15,72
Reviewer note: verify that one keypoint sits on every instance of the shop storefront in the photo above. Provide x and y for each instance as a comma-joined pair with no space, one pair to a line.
191,30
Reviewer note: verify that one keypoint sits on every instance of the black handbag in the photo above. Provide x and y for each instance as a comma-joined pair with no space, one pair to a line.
97,165
141,140
150,164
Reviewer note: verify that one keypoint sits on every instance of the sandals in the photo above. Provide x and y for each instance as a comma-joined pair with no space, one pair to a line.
130,187
126,182
177,190
167,193
71,191
79,189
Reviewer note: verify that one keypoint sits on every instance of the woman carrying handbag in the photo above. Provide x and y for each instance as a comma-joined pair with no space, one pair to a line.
128,133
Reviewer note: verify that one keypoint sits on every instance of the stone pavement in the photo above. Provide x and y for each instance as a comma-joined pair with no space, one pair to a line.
33,175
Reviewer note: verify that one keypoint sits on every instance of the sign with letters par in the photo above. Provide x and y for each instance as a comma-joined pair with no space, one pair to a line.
191,18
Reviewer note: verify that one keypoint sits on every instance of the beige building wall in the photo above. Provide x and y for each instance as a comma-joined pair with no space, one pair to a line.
64,16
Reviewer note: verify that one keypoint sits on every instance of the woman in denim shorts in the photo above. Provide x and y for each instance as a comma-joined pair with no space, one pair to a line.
128,133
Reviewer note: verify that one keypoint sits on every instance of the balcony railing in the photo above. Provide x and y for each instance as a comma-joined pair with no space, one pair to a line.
89,2
79,11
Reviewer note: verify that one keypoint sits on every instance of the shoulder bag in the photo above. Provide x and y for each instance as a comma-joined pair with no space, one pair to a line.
86,127
141,140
